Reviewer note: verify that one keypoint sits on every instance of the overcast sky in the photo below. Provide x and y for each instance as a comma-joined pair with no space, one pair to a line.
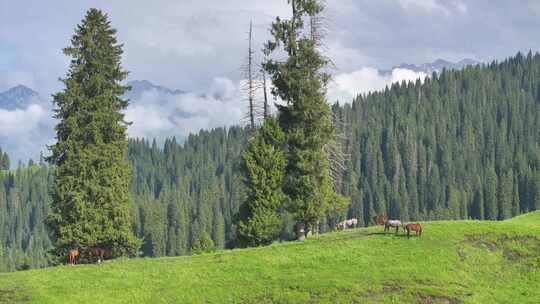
187,44
198,46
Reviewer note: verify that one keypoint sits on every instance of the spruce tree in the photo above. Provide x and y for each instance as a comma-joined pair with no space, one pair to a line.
535,191
490,195
300,81
91,204
4,160
263,166
504,195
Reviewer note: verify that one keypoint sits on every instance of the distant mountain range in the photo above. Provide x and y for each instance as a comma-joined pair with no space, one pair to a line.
138,87
436,66
159,111
19,97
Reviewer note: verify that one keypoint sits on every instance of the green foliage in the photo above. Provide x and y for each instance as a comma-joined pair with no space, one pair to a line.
453,262
535,191
490,195
24,200
445,149
203,244
91,188
464,138
4,160
263,166
306,118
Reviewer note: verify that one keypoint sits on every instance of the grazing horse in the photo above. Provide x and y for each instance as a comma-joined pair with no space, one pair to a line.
72,255
392,223
414,227
351,223
341,225
96,252
380,219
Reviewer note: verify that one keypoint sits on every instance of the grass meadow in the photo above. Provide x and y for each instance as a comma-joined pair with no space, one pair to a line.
453,262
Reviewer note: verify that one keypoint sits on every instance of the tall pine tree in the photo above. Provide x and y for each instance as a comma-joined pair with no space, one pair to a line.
90,194
263,166
305,118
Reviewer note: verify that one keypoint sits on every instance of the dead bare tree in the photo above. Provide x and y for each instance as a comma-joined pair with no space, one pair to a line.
266,109
248,85
255,81
337,152
251,90
336,149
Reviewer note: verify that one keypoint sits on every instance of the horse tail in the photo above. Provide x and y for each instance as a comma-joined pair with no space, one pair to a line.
420,231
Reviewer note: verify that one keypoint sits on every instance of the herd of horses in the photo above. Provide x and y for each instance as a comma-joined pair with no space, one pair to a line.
94,254
98,254
383,219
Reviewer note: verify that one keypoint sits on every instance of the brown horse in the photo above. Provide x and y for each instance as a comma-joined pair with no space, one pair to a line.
380,219
72,256
417,228
96,252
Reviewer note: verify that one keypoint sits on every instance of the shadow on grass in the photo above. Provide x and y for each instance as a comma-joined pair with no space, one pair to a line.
360,235
401,235
13,296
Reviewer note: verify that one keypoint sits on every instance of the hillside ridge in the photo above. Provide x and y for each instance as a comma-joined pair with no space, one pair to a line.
453,262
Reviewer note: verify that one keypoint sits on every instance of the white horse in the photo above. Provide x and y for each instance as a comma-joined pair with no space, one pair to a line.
392,223
351,223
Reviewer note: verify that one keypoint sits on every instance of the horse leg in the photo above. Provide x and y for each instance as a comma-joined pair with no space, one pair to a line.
408,233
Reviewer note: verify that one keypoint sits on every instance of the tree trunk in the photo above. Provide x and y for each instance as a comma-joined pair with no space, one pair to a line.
300,231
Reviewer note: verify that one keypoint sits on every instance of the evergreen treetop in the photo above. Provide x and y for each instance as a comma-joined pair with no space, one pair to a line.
90,193
301,82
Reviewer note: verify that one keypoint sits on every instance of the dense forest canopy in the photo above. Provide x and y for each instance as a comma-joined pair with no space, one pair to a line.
462,144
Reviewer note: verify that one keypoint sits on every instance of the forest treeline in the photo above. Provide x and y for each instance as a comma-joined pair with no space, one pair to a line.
461,144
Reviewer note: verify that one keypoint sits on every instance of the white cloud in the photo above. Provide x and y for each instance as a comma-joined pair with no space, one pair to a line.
346,58
429,5
159,115
461,7
26,132
399,75
445,8
345,87
17,122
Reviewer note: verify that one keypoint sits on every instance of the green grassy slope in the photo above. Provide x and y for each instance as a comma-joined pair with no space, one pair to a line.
531,218
453,262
